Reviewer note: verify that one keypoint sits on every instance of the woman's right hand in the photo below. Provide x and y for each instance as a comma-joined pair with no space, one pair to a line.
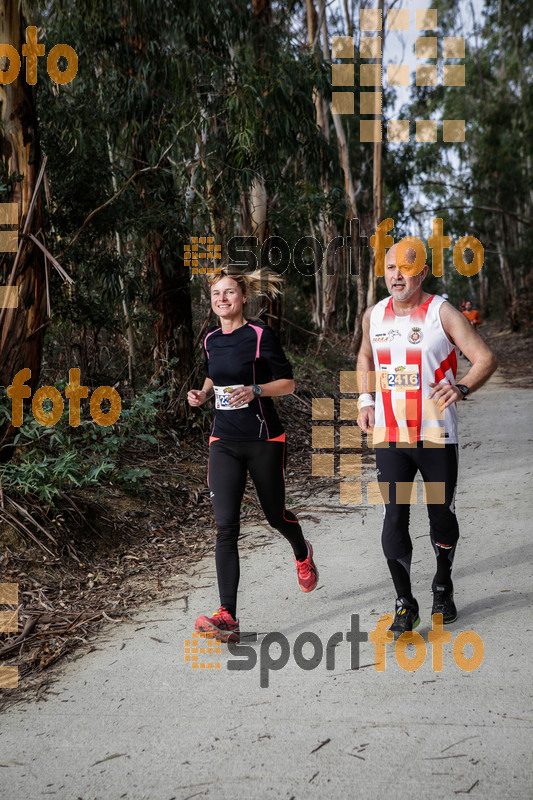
196,397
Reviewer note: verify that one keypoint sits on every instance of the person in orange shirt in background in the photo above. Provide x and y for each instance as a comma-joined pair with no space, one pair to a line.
472,315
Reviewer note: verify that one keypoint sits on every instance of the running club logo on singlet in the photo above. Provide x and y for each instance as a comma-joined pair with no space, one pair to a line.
386,337
415,336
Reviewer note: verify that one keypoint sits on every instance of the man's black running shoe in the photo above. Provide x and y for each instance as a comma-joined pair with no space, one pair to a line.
443,604
406,617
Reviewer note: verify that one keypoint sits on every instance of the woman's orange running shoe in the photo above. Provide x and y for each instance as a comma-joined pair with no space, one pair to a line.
307,571
221,625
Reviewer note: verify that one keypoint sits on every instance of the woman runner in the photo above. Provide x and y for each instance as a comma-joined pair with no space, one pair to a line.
246,367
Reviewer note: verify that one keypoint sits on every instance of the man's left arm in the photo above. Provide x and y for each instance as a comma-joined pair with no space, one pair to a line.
463,335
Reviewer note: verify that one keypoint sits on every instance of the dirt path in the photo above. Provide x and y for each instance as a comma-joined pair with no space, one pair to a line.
133,719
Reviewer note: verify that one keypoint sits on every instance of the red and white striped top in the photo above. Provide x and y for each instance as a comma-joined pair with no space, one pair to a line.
409,353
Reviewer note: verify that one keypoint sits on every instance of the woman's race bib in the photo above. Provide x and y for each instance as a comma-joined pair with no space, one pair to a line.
222,394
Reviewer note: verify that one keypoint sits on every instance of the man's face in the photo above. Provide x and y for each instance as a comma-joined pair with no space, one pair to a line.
401,286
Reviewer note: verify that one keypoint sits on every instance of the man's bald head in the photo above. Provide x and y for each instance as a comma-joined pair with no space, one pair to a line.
401,262
410,255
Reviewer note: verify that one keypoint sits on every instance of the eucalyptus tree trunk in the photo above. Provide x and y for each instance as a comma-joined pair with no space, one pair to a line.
21,328
507,276
331,278
258,209
357,337
258,196
170,297
482,294
328,283
377,188
316,310
125,309
312,25
173,324
330,292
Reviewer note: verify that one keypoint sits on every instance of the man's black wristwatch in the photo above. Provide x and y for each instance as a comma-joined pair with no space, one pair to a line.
463,389
257,390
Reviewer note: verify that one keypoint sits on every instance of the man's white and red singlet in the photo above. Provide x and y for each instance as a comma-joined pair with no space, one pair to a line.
409,353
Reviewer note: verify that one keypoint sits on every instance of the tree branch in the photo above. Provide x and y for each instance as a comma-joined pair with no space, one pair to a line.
478,208
132,177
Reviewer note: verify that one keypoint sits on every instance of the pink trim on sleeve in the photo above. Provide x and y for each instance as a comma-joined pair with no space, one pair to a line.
259,333
207,337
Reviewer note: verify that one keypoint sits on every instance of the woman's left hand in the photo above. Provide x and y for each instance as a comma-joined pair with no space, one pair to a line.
241,396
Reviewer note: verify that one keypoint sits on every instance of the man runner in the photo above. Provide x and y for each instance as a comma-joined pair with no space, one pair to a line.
409,347
472,314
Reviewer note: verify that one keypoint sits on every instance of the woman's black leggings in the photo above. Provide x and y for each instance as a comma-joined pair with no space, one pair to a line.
229,463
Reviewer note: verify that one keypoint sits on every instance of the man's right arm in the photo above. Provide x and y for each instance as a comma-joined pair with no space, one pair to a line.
365,365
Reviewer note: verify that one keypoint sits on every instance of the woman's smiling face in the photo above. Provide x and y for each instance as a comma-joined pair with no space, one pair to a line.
227,299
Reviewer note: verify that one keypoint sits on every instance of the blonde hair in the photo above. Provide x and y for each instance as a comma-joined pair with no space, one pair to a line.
259,283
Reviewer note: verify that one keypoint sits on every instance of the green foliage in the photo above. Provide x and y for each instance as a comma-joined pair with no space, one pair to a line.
227,98
52,460
483,186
